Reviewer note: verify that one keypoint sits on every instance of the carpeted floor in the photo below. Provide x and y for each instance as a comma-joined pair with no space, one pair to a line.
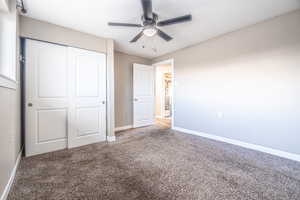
157,163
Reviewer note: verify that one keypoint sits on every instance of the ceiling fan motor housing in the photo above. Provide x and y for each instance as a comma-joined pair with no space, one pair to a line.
149,22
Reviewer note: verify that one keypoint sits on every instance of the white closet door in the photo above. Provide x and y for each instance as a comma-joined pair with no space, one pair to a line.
143,95
87,75
65,97
47,97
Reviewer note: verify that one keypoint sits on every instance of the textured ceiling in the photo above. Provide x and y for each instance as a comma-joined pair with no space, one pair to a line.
211,18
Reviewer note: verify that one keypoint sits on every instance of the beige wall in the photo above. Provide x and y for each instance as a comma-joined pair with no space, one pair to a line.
244,85
40,30
123,87
10,112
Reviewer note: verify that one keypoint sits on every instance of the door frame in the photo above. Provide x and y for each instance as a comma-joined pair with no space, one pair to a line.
168,61
110,106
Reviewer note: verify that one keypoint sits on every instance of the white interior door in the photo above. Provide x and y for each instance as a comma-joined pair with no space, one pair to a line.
65,97
88,97
143,95
47,111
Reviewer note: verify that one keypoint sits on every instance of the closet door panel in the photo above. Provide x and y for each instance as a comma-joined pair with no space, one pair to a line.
88,97
65,97
47,100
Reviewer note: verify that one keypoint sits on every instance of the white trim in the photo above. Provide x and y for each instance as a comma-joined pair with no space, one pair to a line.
122,128
158,116
110,89
171,60
11,179
268,150
164,62
111,138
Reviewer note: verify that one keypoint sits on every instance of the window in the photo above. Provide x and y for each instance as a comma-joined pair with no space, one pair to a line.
8,36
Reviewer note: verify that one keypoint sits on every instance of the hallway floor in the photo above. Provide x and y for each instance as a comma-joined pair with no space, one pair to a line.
157,163
163,122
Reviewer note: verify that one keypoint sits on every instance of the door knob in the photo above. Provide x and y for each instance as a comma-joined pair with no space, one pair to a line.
135,99
103,102
30,104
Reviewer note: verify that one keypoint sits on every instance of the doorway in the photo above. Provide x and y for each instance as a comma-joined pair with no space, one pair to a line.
164,83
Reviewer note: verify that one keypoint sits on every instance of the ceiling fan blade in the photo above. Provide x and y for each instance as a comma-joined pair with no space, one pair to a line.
163,35
124,24
138,36
147,8
175,20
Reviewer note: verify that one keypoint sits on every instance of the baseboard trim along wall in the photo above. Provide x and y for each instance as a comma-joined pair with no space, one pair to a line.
111,138
268,150
122,128
12,178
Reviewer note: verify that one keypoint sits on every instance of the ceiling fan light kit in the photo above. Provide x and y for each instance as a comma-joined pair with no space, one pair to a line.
150,23
150,31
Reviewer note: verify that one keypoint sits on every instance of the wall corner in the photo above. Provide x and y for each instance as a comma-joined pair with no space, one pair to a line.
110,89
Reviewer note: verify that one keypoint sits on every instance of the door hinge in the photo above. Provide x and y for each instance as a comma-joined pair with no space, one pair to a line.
22,59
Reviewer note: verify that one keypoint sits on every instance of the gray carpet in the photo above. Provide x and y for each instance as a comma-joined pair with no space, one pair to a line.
157,163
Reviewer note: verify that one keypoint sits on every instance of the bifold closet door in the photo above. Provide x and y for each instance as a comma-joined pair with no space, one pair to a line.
65,97
87,75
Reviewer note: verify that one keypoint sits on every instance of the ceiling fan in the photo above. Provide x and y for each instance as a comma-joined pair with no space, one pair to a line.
150,23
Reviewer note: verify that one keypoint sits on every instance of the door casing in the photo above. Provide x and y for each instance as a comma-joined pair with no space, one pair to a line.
164,62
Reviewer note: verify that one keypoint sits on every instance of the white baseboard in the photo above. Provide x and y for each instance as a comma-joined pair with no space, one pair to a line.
122,128
111,138
268,150
11,179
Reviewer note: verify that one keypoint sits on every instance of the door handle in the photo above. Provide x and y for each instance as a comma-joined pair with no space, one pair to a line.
30,104
135,99
103,102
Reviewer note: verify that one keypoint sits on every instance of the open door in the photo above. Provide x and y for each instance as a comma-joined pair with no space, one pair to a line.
143,95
